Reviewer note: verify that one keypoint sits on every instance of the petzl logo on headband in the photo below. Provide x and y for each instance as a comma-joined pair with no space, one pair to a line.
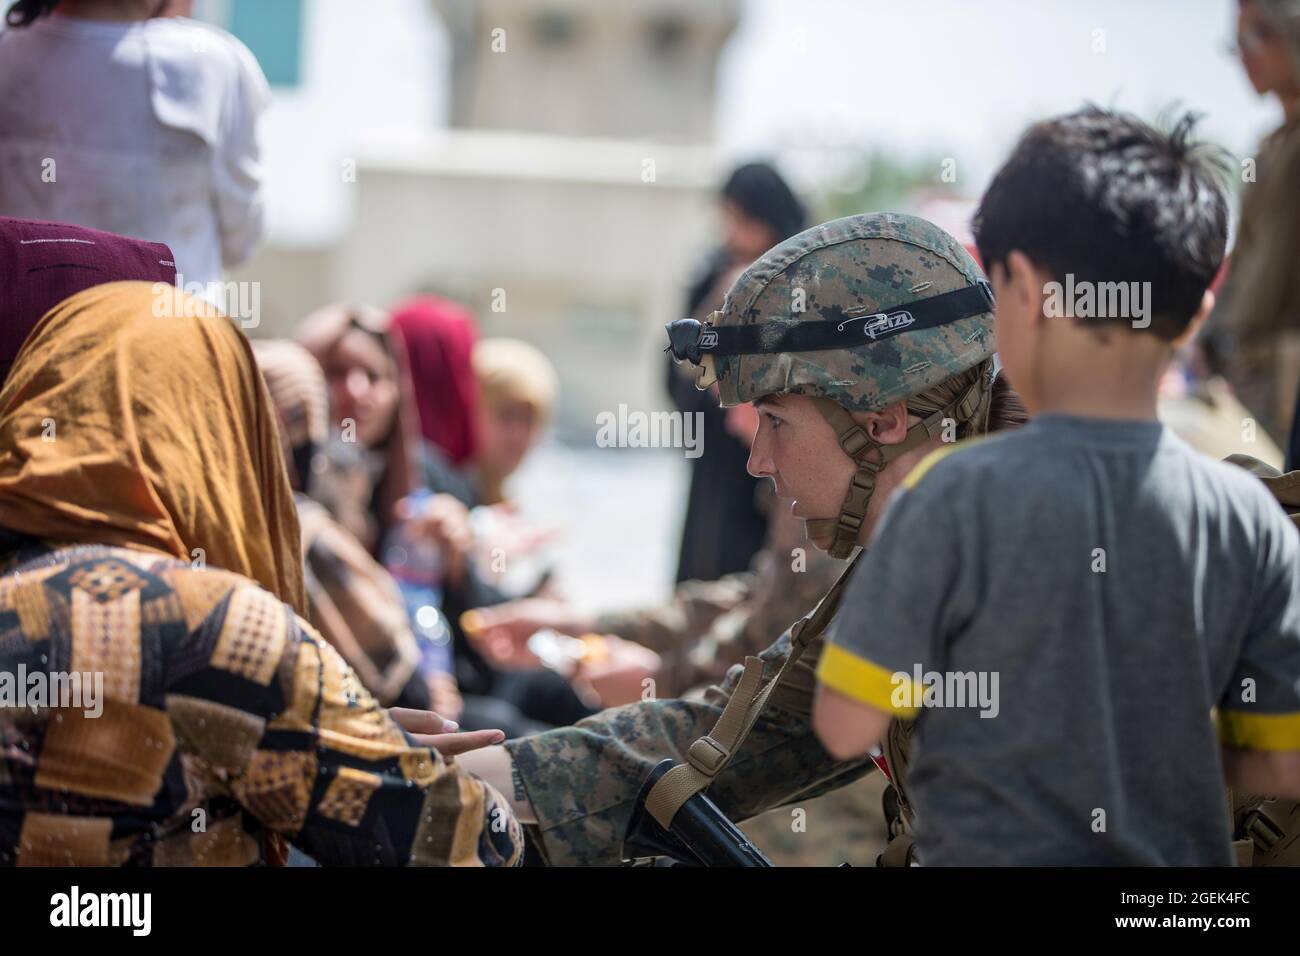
708,339
882,324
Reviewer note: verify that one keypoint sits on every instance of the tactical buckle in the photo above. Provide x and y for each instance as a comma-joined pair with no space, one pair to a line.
797,631
854,441
863,482
1263,832
850,523
707,756
968,404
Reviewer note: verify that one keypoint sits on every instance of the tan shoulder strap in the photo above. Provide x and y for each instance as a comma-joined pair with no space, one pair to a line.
900,851
871,457
709,755
1265,830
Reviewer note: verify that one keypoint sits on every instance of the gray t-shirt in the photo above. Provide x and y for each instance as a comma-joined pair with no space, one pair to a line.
1102,586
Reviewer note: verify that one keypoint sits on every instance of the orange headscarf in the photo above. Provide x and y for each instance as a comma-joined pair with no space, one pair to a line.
135,416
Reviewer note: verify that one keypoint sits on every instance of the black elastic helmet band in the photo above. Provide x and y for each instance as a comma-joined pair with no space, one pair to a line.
689,340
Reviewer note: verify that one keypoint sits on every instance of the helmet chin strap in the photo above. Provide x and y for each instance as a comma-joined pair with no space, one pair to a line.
971,405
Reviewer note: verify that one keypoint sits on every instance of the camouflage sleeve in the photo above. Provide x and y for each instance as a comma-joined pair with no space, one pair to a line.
672,627
582,781
784,589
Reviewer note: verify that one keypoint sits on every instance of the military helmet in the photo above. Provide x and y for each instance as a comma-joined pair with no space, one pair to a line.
857,313
877,283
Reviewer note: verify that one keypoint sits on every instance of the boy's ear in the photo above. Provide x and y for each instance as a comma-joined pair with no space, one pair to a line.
1198,320
1025,284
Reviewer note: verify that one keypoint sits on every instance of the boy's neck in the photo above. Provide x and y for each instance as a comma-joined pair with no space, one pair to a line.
1081,375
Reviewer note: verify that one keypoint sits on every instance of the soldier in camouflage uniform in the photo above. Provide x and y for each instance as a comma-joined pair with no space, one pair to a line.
706,627
711,625
902,314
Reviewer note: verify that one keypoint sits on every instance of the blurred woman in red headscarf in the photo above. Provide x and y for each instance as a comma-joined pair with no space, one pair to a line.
482,404
438,336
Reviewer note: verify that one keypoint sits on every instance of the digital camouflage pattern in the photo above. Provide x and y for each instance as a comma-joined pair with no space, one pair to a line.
845,269
582,781
709,626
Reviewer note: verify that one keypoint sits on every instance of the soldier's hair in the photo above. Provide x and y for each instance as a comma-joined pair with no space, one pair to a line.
1107,198
1007,410
945,393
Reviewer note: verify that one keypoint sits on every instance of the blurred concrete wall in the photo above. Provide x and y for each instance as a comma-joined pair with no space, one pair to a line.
558,241
576,231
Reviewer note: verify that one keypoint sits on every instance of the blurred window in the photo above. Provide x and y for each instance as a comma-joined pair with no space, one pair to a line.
272,29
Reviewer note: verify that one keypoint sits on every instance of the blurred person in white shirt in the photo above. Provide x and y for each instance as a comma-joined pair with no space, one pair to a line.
126,116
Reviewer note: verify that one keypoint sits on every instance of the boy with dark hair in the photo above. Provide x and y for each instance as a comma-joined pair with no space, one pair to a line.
1063,636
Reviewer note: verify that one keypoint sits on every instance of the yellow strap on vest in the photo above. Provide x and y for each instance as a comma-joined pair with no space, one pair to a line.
709,755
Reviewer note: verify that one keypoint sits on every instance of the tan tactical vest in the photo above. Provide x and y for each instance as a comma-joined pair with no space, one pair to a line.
1266,830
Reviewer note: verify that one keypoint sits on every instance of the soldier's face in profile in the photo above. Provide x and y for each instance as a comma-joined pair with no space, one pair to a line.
796,447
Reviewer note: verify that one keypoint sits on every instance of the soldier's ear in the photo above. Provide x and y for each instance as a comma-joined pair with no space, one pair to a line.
887,426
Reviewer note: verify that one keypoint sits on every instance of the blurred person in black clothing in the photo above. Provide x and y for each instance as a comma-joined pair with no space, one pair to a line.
725,525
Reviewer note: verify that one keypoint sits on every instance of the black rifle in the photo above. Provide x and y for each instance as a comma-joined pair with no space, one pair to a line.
699,834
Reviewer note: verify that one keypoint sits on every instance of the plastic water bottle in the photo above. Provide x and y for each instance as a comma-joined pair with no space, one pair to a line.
416,564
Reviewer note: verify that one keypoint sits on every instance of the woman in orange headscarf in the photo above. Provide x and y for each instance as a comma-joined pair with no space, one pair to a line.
150,547
155,435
